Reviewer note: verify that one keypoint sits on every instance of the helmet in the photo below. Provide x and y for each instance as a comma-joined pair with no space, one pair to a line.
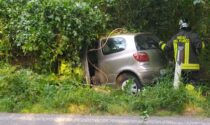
183,23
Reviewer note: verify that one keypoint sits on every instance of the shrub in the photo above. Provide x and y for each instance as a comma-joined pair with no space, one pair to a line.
22,90
50,30
161,96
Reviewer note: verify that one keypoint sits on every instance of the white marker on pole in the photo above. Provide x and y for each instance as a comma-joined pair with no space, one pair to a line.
178,69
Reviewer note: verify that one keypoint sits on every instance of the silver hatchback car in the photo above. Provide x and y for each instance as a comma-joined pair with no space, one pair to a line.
128,56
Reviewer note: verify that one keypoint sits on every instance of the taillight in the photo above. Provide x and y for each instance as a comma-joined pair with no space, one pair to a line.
141,56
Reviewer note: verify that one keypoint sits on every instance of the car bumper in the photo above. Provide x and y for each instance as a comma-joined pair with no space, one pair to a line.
149,75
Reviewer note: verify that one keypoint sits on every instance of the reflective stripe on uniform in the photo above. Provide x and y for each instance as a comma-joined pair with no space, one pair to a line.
191,66
203,45
186,42
186,65
175,48
163,46
160,43
187,50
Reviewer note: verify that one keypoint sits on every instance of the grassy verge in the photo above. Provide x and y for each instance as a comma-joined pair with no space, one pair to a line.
24,91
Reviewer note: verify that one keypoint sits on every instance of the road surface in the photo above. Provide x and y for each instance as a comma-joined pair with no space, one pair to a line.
56,119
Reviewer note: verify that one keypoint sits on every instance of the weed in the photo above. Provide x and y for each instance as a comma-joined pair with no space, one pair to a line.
22,90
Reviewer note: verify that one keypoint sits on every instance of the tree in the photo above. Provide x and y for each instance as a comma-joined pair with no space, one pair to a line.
49,30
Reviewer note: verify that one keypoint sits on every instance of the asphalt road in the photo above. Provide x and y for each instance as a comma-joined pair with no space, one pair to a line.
43,119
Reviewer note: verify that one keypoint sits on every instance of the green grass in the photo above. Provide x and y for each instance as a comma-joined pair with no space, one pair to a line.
24,91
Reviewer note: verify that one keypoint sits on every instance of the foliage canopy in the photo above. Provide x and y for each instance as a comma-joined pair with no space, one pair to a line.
50,30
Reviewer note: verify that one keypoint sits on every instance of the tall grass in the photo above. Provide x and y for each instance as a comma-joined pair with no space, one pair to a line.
22,90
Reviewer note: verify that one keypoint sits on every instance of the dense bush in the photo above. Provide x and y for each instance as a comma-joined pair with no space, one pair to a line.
160,17
21,89
50,30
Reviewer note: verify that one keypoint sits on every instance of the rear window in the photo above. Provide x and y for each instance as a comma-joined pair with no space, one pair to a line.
144,42
113,45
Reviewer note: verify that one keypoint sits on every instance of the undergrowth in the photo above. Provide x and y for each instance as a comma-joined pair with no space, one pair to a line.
24,91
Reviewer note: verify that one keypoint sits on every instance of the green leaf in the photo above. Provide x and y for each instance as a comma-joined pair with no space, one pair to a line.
57,19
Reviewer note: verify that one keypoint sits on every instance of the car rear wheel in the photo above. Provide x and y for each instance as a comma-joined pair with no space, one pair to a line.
129,82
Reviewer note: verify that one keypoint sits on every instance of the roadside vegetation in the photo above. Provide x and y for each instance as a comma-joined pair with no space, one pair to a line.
42,43
22,90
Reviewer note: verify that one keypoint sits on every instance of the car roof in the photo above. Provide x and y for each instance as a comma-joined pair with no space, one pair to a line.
127,35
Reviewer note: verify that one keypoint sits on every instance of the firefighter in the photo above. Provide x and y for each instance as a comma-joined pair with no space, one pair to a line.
189,56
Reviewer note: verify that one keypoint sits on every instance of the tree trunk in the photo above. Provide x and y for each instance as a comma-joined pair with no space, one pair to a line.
85,65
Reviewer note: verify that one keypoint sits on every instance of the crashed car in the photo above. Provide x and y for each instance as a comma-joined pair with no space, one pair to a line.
125,57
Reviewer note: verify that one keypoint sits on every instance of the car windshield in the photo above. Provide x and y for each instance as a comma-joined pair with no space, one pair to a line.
144,42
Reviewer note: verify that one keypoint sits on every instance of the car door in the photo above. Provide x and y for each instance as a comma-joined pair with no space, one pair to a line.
112,56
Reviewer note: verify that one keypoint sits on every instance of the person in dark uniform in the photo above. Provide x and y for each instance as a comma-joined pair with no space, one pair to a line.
191,44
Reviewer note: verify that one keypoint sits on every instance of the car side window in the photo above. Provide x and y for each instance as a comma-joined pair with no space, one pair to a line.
113,45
